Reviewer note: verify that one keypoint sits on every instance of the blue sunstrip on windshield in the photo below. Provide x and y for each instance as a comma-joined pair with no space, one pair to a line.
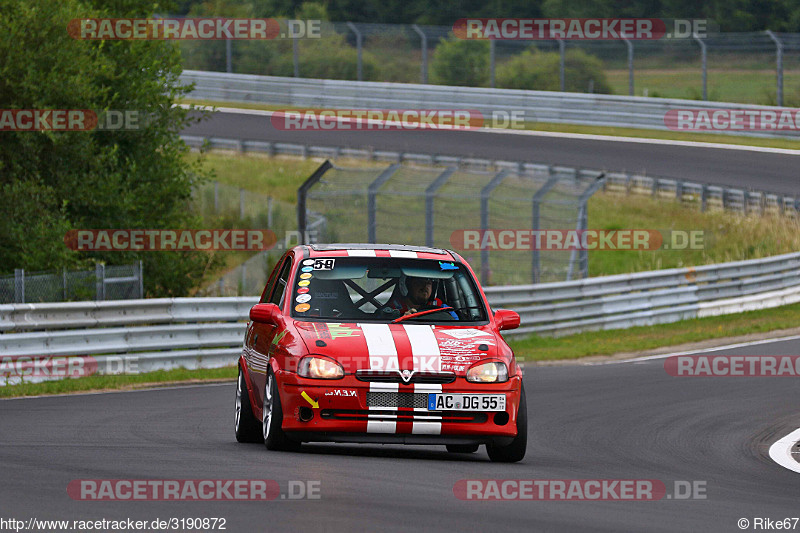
447,266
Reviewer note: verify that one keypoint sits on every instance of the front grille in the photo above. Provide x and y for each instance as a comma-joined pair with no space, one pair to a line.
381,376
397,399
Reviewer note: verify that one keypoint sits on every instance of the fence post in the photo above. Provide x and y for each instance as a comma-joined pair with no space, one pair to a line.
562,51
269,212
295,57
630,65
216,197
582,225
242,279
779,61
64,283
359,45
536,222
241,204
424,43
228,56
703,61
704,197
485,192
19,285
99,282
372,208
141,279
491,63
302,192
430,193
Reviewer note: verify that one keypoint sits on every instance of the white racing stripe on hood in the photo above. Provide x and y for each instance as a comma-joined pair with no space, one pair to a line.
382,351
424,348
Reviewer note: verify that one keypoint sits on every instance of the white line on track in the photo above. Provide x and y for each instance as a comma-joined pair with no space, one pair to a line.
702,350
781,451
560,135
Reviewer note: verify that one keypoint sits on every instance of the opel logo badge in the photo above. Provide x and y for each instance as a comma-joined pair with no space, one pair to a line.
406,375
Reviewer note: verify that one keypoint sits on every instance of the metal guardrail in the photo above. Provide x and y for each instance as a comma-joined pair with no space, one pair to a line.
538,106
208,332
701,194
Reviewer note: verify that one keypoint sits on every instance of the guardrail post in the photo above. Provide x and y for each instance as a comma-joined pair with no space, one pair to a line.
228,56
100,281
485,192
302,193
491,63
562,52
704,198
535,222
269,212
703,58
19,285
359,45
241,204
372,208
779,62
423,75
430,193
295,57
630,65
679,191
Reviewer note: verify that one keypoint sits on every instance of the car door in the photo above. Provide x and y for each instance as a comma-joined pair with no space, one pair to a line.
260,336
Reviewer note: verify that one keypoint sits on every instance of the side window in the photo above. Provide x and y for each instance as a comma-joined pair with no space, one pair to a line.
280,284
272,278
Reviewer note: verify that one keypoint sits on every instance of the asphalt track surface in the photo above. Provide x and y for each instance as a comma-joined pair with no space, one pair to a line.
772,172
608,421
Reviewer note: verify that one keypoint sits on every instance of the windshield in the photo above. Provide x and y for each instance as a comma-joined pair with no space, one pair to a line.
383,289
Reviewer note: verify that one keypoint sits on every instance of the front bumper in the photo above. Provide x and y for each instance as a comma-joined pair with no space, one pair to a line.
338,412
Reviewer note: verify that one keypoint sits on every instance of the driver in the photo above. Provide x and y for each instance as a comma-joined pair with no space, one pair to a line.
416,297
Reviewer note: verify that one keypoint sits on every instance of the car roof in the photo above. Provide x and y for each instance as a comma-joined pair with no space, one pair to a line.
380,250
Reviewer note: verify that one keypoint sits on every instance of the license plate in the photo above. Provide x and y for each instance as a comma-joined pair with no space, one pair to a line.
466,402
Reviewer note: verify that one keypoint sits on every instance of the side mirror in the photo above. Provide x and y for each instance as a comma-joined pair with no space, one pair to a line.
506,319
265,314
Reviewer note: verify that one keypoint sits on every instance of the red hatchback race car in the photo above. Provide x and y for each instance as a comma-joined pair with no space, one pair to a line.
379,344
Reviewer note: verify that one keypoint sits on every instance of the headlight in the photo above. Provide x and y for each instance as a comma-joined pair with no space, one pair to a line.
319,368
491,372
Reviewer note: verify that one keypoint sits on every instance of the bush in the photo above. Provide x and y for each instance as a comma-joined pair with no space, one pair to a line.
461,62
329,57
540,71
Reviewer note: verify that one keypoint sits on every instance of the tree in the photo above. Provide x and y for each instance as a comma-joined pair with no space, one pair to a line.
51,182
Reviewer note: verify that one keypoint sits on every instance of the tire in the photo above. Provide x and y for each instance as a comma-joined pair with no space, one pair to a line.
463,448
246,424
514,451
272,416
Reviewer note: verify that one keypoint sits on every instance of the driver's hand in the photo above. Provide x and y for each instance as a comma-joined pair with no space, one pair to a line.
410,312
